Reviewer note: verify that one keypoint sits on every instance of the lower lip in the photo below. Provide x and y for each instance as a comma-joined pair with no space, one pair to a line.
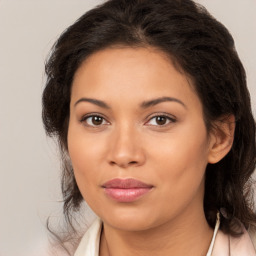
126,195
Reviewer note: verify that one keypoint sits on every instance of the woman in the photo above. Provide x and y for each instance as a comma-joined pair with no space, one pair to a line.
149,103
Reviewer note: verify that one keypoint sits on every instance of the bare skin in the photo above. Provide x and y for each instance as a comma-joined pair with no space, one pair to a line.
184,240
133,115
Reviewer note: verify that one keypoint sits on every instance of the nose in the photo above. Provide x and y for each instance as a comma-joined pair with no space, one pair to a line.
126,148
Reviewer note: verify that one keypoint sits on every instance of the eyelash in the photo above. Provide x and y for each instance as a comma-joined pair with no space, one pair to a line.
170,119
86,117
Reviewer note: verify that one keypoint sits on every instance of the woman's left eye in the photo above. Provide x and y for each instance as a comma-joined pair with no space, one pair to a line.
160,120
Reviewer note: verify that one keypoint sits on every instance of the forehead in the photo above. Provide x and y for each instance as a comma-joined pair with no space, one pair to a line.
130,72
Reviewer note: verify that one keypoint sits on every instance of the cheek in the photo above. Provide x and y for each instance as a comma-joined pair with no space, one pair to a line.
179,177
186,146
181,159
83,148
83,153
85,169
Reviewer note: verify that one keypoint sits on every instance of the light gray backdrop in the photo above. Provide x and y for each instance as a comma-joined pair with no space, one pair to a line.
29,169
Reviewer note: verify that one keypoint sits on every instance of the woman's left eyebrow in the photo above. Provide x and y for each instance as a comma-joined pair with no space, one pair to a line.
156,101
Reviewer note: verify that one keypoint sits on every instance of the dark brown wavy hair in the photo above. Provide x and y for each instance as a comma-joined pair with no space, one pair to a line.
199,46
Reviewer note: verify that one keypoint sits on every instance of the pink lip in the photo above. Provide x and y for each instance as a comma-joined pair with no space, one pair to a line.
126,190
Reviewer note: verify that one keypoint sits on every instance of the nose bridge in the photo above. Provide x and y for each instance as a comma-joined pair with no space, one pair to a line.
125,148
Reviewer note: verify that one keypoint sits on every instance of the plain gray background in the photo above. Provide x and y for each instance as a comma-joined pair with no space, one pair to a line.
29,167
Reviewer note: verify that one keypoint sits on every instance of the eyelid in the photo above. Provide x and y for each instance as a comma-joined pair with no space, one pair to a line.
170,117
86,116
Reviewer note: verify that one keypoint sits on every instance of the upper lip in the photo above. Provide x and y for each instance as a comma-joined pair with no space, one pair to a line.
125,184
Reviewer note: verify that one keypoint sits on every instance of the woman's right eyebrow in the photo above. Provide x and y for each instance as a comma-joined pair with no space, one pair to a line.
99,103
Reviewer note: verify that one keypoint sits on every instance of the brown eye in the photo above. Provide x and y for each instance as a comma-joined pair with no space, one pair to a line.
94,120
160,120
97,120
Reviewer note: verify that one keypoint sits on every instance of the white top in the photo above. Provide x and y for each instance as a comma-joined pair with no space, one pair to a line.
221,244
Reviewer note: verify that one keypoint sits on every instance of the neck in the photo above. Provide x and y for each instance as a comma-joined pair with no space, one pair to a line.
187,234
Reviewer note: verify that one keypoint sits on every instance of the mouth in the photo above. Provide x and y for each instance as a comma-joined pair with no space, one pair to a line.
126,190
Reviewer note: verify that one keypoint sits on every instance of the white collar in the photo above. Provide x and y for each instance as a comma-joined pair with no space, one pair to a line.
89,245
217,225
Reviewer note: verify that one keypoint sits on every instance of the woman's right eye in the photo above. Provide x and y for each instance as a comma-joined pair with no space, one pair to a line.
94,120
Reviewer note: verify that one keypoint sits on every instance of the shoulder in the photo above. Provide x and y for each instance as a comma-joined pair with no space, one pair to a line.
242,245
252,234
226,245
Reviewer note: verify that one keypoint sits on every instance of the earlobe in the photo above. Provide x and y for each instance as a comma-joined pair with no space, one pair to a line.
221,138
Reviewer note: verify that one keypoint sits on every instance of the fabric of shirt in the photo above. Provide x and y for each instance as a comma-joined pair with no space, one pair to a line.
221,244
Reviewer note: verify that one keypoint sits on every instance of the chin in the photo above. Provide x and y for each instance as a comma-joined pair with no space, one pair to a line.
130,220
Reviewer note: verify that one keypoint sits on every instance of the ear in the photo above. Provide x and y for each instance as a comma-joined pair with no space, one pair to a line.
221,138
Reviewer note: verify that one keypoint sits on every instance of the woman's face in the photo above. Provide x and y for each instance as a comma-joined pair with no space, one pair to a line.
137,139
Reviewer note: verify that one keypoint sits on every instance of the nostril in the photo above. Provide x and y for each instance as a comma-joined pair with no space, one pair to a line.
123,164
112,163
